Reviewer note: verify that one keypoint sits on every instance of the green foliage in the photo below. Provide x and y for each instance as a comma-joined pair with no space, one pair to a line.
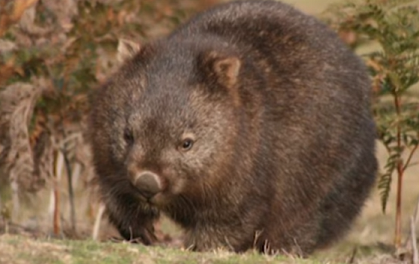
392,27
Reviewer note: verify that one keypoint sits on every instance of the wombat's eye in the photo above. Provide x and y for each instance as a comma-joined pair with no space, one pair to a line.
187,144
128,137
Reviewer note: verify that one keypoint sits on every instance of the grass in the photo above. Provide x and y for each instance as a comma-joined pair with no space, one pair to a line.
22,249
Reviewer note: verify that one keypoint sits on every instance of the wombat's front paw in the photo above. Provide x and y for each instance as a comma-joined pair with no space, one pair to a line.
136,226
137,233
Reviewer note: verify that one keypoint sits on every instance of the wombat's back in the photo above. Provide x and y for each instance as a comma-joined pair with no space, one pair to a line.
307,68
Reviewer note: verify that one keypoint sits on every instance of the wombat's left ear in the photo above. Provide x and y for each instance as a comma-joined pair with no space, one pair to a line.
225,68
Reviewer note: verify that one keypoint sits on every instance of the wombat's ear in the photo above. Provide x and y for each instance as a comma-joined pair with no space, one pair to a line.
127,49
225,68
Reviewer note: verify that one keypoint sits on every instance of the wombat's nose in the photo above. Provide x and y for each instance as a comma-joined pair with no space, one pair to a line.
148,183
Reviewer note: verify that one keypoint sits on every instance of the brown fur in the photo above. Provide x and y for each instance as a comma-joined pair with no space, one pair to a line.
278,108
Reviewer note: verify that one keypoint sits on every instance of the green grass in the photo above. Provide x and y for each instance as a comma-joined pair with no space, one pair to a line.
22,249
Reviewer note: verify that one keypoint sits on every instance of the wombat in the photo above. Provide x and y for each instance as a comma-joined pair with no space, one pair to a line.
249,126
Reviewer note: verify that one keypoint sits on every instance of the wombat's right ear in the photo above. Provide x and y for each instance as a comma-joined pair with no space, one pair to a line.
127,49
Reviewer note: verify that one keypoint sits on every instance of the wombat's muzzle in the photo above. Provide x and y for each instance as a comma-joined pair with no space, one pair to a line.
148,183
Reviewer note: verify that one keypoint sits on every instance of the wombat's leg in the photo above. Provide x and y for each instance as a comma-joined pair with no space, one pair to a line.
202,241
295,237
134,219
224,237
345,202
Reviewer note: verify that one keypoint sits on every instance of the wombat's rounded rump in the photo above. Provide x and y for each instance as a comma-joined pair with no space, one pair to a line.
250,126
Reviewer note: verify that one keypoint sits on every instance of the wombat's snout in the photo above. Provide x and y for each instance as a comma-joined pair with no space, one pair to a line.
148,183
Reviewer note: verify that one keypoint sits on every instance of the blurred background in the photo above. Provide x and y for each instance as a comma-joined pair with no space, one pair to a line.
52,53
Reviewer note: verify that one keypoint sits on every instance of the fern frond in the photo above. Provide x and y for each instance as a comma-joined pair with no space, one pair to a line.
384,183
384,186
